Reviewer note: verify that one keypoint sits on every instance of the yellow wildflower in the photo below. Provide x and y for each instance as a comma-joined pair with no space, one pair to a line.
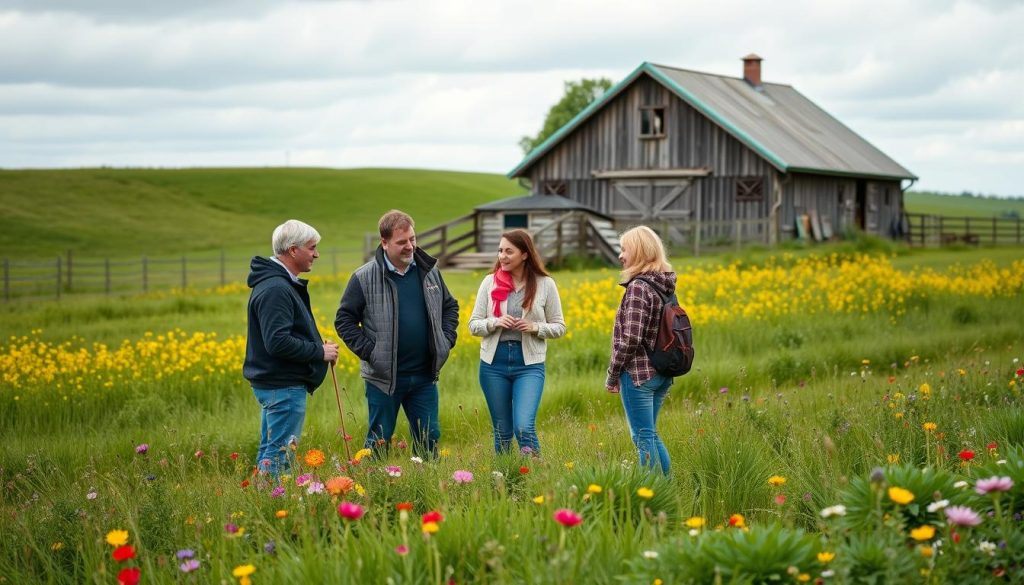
645,493
695,522
539,499
826,557
925,532
901,496
594,489
776,480
117,537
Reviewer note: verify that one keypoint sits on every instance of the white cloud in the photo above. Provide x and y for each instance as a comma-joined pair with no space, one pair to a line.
455,83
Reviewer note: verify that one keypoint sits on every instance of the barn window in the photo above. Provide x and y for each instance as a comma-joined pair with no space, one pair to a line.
554,188
516,220
652,121
750,189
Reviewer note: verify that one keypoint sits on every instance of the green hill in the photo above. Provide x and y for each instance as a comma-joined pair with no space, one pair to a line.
960,206
131,212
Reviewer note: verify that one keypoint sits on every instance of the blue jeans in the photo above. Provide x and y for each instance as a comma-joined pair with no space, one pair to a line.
513,392
642,404
283,411
417,395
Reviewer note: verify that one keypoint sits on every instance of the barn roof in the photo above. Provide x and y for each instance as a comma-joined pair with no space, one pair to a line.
537,202
790,131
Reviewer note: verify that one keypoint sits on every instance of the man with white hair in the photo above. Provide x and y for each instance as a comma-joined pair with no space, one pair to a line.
285,357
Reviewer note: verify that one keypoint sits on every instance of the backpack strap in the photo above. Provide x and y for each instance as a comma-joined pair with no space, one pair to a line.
664,296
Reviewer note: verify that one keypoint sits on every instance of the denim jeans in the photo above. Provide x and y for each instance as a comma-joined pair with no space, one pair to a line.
642,404
513,392
283,411
417,395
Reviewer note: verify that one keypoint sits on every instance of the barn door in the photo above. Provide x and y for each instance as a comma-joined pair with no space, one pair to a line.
651,199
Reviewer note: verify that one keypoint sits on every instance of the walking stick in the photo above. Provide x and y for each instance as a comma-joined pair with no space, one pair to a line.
341,414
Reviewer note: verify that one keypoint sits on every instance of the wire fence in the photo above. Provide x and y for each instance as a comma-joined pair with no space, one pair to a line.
71,275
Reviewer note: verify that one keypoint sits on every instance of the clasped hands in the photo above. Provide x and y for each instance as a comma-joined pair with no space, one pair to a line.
510,322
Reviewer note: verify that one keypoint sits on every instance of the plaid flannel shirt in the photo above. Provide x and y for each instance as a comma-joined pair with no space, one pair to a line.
636,328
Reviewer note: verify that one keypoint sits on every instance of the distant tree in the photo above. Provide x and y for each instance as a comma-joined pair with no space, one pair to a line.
578,95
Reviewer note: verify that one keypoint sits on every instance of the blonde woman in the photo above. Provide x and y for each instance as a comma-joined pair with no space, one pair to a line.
517,310
646,275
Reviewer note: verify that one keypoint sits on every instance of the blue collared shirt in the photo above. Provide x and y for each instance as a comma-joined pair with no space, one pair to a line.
392,267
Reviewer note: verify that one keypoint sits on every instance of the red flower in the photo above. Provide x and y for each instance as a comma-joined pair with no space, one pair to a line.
129,576
966,455
956,537
433,516
123,553
245,483
407,506
350,511
992,446
567,517
233,456
1020,373
524,470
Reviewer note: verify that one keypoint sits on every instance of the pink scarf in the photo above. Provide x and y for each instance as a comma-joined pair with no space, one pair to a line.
503,285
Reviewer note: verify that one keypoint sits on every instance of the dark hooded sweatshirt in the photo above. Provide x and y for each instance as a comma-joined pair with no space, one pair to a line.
283,348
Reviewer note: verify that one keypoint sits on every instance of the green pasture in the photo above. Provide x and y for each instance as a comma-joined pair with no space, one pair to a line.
958,206
813,399
166,212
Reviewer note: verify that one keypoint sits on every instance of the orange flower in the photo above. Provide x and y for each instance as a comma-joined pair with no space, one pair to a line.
314,458
338,486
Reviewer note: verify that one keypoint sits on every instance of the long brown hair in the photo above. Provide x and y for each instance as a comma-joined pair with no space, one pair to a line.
533,266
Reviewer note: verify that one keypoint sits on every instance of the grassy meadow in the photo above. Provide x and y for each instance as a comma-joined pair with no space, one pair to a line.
851,418
847,414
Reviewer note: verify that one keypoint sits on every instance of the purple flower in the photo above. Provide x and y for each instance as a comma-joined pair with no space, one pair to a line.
270,548
462,476
723,390
993,484
315,487
91,495
189,565
303,479
185,553
142,449
231,528
962,516
277,492
393,470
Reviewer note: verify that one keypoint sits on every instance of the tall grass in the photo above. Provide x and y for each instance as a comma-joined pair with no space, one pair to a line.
818,399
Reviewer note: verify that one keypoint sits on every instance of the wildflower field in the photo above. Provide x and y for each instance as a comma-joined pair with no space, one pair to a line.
851,418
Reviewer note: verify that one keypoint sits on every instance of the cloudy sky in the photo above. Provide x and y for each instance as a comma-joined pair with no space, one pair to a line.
454,84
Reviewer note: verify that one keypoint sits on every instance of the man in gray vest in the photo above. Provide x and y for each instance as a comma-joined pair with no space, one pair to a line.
285,358
399,318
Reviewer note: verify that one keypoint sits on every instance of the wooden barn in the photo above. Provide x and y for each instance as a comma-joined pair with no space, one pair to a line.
705,157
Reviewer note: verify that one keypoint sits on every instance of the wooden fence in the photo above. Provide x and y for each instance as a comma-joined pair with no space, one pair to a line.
939,230
69,274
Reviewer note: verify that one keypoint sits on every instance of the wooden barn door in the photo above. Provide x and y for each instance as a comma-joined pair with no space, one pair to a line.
664,205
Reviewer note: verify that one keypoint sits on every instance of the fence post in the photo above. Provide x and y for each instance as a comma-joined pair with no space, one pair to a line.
60,278
967,227
995,238
738,234
145,274
184,273
106,274
7,280
69,271
223,280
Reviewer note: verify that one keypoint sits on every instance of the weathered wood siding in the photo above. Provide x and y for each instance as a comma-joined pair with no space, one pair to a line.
492,226
836,198
610,140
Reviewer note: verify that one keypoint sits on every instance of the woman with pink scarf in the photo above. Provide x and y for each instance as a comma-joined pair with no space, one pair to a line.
517,310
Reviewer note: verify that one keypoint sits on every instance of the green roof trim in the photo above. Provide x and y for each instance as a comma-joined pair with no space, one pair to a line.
774,159
857,174
569,126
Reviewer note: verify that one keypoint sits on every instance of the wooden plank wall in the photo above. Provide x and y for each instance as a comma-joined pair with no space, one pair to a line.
610,140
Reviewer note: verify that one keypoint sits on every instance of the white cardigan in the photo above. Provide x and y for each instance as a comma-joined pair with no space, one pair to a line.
546,312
